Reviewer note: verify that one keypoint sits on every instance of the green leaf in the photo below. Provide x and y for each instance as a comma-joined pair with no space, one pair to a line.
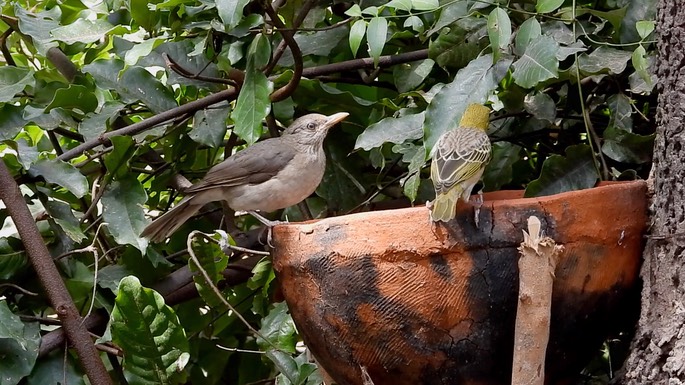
540,106
123,212
415,23
213,261
621,112
253,103
403,5
575,171
38,26
74,97
141,50
538,63
547,6
319,43
18,346
154,342
95,124
138,83
62,174
408,76
604,58
46,368
82,31
231,11
285,363
527,32
637,11
209,126
116,161
499,31
393,130
11,262
278,327
11,121
425,5
499,171
356,35
458,45
624,146
416,157
13,80
64,217
645,28
639,60
27,154
110,276
142,14
376,33
472,84
354,11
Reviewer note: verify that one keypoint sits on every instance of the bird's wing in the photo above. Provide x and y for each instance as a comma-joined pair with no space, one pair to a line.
253,165
459,155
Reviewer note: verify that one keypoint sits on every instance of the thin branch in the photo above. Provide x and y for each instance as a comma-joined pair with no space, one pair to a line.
355,64
50,279
171,63
280,49
21,289
3,47
150,122
288,89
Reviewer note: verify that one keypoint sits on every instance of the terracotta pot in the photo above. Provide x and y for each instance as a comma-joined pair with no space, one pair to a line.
418,303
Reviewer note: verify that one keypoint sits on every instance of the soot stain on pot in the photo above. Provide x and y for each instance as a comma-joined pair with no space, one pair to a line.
360,275
440,266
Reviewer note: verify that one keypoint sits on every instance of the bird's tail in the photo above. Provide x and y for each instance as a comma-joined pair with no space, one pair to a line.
444,207
162,227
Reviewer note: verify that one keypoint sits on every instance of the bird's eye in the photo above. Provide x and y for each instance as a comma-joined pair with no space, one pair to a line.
311,125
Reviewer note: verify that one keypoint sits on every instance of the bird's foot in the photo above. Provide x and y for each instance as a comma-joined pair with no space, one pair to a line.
269,226
476,208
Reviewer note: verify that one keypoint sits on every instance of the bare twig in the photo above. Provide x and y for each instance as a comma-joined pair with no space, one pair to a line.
280,49
150,122
171,63
288,89
3,47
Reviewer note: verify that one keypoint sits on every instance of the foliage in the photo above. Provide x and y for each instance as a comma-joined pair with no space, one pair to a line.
570,83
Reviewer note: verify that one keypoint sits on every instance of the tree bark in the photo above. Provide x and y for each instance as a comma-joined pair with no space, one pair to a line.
658,350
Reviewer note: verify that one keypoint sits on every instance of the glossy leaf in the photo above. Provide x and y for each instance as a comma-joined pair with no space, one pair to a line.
154,343
393,130
253,103
603,59
376,34
123,212
13,80
547,6
472,84
82,31
138,83
231,11
538,63
575,171
499,171
499,31
18,346
624,146
62,174
621,112
357,33
209,126
527,32
213,260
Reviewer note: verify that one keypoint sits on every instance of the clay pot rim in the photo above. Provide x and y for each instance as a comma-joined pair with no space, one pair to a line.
495,198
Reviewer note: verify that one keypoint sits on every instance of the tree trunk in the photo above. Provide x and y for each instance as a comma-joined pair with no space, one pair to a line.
658,350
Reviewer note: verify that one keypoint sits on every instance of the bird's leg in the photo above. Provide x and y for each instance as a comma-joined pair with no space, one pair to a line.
476,207
268,223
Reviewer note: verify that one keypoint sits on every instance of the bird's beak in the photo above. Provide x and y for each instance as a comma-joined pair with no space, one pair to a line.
334,119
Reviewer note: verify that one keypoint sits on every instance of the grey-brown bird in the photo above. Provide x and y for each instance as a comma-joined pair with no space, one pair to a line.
269,175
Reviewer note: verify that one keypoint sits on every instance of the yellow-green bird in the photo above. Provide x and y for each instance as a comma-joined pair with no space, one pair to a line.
459,158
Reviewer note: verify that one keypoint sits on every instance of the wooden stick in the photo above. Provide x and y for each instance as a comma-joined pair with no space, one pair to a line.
539,256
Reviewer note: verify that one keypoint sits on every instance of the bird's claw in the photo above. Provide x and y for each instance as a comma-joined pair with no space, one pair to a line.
269,226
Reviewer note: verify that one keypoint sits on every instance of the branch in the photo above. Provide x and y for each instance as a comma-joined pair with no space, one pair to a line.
288,89
355,64
3,48
280,49
539,256
51,280
150,122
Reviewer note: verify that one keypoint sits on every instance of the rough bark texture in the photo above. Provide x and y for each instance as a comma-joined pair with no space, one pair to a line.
658,351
